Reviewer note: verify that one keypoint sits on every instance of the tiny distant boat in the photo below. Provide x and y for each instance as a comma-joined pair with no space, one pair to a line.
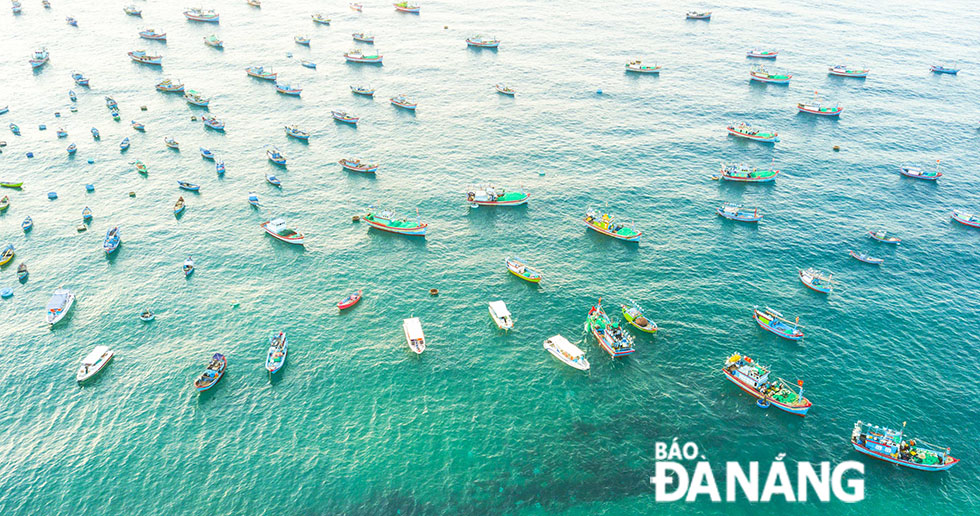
734,211
817,281
61,133
634,315
153,34
195,98
79,79
762,54
501,316
302,40
146,315
201,15
296,132
604,223
343,116
140,56
212,373
86,214
73,97
362,90
276,357
273,180
356,56
844,71
124,144
320,18
253,199
132,10
882,236
609,335
14,128
214,41
966,218
254,3
27,224
755,379
41,57
355,165
16,7
480,41
95,134
286,89
407,7
349,301
219,167
179,206
171,142
278,229
403,102
866,258
385,221
567,352
22,273
504,89
4,203
207,154
188,267
7,254
184,185
93,363
356,7
952,70
261,73
4,109
140,166
111,241
170,86
489,195
414,334
694,15
212,122
773,322
59,305
276,156
518,267
71,21
762,74
637,66
744,130
72,149
365,38
918,172
308,64
138,126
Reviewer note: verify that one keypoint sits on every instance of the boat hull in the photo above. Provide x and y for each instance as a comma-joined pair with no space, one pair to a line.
415,231
516,202
770,80
768,139
907,172
631,238
966,220
605,345
836,112
872,261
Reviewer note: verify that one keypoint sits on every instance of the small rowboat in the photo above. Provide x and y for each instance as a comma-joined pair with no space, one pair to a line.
207,154
276,357
153,34
213,41
124,144
179,206
140,166
95,134
171,143
22,272
132,10
414,334
219,168
479,41
287,89
844,71
40,58
890,446
634,315
761,74
146,315
744,130
27,224
201,15
489,195
14,128
261,73
603,223
504,89
111,241
349,301
302,40
567,352
920,173
4,203
273,180
86,214
773,322
693,15
637,66
296,132
952,70
11,184
882,236
80,79
356,7
195,98
212,122
276,156
59,305
320,18
518,267
866,258
72,148
403,102
610,336
93,363
308,64
7,254
967,219
501,315
343,116
280,231
360,36
362,90
137,126
762,54
188,267
355,165
169,86
407,7
817,281
356,56
212,373
734,211
140,56
385,221
253,199
185,185
754,379
68,19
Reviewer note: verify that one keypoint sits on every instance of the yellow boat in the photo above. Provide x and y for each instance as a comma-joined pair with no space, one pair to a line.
7,254
634,315
518,268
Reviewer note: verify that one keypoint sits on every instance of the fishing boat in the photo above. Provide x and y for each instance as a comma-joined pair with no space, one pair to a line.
408,7
362,90
762,74
201,15
276,357
480,41
917,172
61,132
343,116
567,352
4,110
302,40
195,98
219,168
355,165
153,34
695,15
140,166
170,86
844,71
966,218
140,56
773,321
356,7
137,126
27,224
414,334
276,156
171,142
320,18
349,301
207,154
188,267
732,211
22,272
86,214
212,122
253,199
212,373
816,280
403,102
286,89
744,130
11,184
95,134
501,316
79,79
817,108
634,315
356,56
385,221
4,203
882,236
756,380
111,241
261,73
14,128
254,3
273,180
179,206
762,54
504,89
518,267
489,195
59,305
72,148
891,446
296,132
71,21
184,185
132,10
124,144
308,64
952,70
610,336
146,315
7,254
604,223
40,58
637,66
866,258
279,230
214,41
93,363
362,37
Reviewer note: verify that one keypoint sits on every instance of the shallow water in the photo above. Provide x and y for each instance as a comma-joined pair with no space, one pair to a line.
482,423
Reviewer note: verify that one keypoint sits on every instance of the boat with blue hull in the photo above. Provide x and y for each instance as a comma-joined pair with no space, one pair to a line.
212,373
773,322
732,211
611,336
756,380
112,241
276,357
891,446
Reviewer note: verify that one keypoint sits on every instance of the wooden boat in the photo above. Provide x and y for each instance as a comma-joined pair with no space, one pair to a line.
489,195
253,199
111,241
744,130
518,267
343,116
170,86
273,180
14,128
137,126
414,335
302,40
207,154
952,70
27,224
212,122
756,380
501,316
79,79
408,7
504,89
196,98
762,74
7,254
276,156
86,214
186,185
22,272
882,236
72,149
124,144
201,15
254,3
287,89
403,102
356,56
637,66
967,219
732,211
362,90
320,18
59,305
140,167
819,109
11,184
773,322
844,71
385,221
694,15
4,203
817,281
279,230
891,446
61,133
140,56
480,41
349,301
212,373
866,258
355,165
132,10
276,357
610,336
146,315
214,41
261,73
604,223
634,315
219,168
93,363
567,352
41,57
362,37
188,267
153,34
917,172
762,54
308,64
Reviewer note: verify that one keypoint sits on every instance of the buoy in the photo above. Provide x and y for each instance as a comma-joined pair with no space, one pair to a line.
30,154
434,291
356,218
836,148
132,194
89,188
761,403
52,195
142,108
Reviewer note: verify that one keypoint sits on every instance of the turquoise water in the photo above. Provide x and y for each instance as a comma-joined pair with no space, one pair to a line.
482,422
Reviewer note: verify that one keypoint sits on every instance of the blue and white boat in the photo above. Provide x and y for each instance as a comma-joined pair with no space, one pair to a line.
72,149
296,132
219,167
253,199
212,373
14,128
27,224
938,68
124,144
80,79
276,357
59,305
891,446
207,154
184,185
276,156
736,212
40,58
212,122
773,322
111,241
273,180
612,338
95,134
138,126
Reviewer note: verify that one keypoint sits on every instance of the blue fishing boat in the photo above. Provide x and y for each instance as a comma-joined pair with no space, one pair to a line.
967,218
72,149
184,185
72,96
111,241
951,70
188,267
276,156
124,144
22,273
817,281
214,41
14,128
132,10
170,86
40,58
153,35
891,446
4,110
362,90
287,89
212,373
212,122
320,18
917,172
219,167
773,322
403,102
171,143
207,154
308,64
296,132
71,21
610,336
756,380
140,56
253,199
734,211
138,126
80,79
27,224
302,40
273,180
261,73
201,15
362,37
195,98
343,116
276,357
480,41
866,258
882,236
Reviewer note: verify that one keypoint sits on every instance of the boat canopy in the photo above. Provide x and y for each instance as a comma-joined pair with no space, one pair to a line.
499,308
567,347
58,300
413,327
96,355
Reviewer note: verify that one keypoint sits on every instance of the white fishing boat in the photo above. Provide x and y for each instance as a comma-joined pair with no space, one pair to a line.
501,316
93,363
414,335
567,352
59,305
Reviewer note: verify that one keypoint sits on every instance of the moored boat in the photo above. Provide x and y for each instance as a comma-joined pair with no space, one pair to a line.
253,199
153,34
171,143
356,165
737,212
212,122
891,446
773,321
816,280
287,89
845,71
4,203
362,90
207,154
816,108
756,380
489,195
567,352
917,172
59,305
93,363
219,168
146,315
866,258
201,15
634,315
279,230
140,166
186,185
696,15
170,86
320,18
501,88
71,21
604,223
938,68
345,117
762,54
966,218
276,356
72,148
40,58
27,224
349,301
385,221
111,241
11,184
14,128
414,335
214,41
882,236
295,132
7,254
302,40
357,56
124,144
273,180
356,7
637,66
79,79
212,373
480,41
362,37
610,336
95,134
132,10
501,316
140,56
744,130
188,267
308,64
403,102
276,156
22,273
408,7
137,126
86,214
261,73
518,267
195,98
762,74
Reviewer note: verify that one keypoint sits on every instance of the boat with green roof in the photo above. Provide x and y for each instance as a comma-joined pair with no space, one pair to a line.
604,223
385,221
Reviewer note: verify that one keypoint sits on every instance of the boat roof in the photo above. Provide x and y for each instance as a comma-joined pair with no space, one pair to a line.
563,344
93,357
499,308
413,327
58,299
